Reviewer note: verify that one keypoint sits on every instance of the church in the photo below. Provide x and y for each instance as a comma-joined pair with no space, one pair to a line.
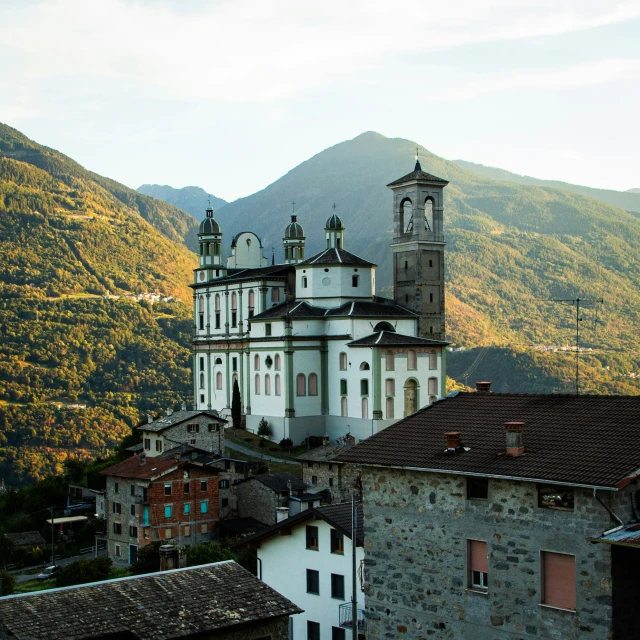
312,348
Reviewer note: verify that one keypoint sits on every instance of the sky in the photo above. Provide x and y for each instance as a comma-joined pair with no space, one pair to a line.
230,95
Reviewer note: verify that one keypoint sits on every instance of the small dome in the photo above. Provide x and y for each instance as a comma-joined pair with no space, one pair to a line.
293,230
209,226
334,223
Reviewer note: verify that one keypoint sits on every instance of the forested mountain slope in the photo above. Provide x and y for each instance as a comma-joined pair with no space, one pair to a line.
67,238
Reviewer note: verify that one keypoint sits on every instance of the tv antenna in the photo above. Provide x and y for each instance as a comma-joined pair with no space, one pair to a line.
577,303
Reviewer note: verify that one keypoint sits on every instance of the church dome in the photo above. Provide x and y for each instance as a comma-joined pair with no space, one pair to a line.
209,226
334,222
293,230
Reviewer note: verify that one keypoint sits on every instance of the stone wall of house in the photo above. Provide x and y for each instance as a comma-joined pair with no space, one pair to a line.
255,500
417,527
339,478
209,436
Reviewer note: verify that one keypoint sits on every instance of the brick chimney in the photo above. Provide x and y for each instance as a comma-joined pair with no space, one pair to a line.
483,387
325,440
515,444
143,458
169,411
453,440
168,557
149,418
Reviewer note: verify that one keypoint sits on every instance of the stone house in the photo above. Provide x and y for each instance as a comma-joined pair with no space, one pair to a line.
221,601
316,547
203,430
27,540
231,472
159,498
268,497
494,516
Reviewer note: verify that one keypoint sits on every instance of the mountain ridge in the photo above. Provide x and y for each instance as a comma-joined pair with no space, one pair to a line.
193,200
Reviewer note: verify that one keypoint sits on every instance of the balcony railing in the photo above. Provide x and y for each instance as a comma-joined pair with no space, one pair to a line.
346,619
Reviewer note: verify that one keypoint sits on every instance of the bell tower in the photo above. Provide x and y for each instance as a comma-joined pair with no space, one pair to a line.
210,241
418,249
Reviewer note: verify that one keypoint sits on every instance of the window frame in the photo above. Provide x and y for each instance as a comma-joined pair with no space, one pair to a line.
336,592
477,580
310,536
336,539
313,580
473,480
544,579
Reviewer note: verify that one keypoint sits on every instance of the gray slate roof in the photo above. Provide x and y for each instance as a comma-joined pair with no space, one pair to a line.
393,339
27,538
157,606
325,453
418,175
177,417
277,481
336,256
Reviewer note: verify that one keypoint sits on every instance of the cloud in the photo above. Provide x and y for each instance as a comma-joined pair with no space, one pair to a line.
254,51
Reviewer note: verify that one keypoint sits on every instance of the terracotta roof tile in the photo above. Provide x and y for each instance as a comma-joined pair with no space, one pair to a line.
132,467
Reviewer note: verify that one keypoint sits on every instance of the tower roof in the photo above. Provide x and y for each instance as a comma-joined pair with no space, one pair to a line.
294,229
209,225
418,175
334,222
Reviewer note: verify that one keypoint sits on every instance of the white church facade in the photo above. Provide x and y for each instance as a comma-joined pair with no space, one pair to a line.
313,349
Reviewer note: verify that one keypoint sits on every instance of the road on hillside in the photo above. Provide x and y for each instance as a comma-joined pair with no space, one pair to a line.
254,454
25,577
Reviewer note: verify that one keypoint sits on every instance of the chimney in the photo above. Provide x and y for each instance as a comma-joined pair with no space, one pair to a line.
143,458
515,445
183,407
325,440
282,513
169,411
168,557
483,387
453,441
149,418
289,487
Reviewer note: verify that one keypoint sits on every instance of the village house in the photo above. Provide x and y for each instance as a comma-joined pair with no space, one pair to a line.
158,498
494,516
221,601
315,546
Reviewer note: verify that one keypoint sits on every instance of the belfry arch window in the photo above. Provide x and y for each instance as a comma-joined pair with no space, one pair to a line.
267,385
252,301
428,214
277,381
202,380
257,384
406,216
277,362
384,326
364,366
217,311
256,362
433,359
410,397
201,313
234,309
219,380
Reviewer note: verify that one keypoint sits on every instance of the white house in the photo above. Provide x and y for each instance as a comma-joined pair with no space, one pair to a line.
313,349
316,548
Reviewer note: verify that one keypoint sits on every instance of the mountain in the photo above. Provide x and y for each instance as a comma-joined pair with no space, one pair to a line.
193,200
629,200
83,350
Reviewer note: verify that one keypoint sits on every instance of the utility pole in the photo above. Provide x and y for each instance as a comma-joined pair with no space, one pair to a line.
354,593
53,553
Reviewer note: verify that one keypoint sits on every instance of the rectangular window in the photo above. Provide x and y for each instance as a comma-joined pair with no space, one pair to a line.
389,361
132,489
204,484
146,533
364,387
477,488
193,428
224,502
331,482
234,364
117,507
337,586
186,530
390,387
234,318
187,487
312,538
213,428
343,387
159,442
147,444
201,364
133,532
204,528
313,630
343,362
168,533
314,480
337,542
313,581
338,634
187,508
201,323
558,580
168,511
223,484
204,506
118,550
217,317
117,528
354,281
267,329
116,487
133,510
167,488
478,565
304,282
554,497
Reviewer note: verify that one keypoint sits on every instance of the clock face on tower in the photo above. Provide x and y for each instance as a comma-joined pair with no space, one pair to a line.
201,276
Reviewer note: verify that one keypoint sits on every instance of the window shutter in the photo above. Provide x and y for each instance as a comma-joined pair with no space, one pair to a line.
559,580
478,553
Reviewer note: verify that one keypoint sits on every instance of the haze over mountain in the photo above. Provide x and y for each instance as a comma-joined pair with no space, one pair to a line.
193,200
624,199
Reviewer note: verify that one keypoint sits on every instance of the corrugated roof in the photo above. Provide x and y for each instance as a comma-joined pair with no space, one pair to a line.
168,604
587,440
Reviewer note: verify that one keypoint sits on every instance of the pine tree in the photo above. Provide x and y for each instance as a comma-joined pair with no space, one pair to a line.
236,411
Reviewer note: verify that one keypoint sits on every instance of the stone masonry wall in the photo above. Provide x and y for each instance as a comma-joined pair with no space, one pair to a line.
255,500
416,530
340,478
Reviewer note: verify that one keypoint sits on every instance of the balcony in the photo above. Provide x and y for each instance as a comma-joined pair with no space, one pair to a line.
346,619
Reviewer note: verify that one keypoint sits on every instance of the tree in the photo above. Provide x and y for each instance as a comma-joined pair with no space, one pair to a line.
286,443
207,552
7,548
84,571
148,559
236,410
7,583
264,429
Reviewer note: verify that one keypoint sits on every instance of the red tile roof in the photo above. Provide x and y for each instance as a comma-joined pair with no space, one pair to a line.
585,440
131,468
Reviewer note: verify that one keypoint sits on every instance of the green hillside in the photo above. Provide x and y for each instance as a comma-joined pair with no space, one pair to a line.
67,238
193,200
629,200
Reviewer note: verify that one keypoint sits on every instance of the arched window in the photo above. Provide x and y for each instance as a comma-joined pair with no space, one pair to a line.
217,311
365,408
217,302
343,407
410,397
433,386
256,362
428,214
257,389
406,216
276,366
433,359
234,301
301,384
313,384
202,380
384,326
219,380
252,298
218,361
343,361
389,408
275,294
389,361
200,304
390,387
267,385
277,384
411,360
234,378
364,366
432,399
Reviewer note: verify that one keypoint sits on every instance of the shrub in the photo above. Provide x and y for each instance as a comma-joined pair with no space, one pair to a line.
84,571
148,559
264,429
207,552
286,443
7,583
